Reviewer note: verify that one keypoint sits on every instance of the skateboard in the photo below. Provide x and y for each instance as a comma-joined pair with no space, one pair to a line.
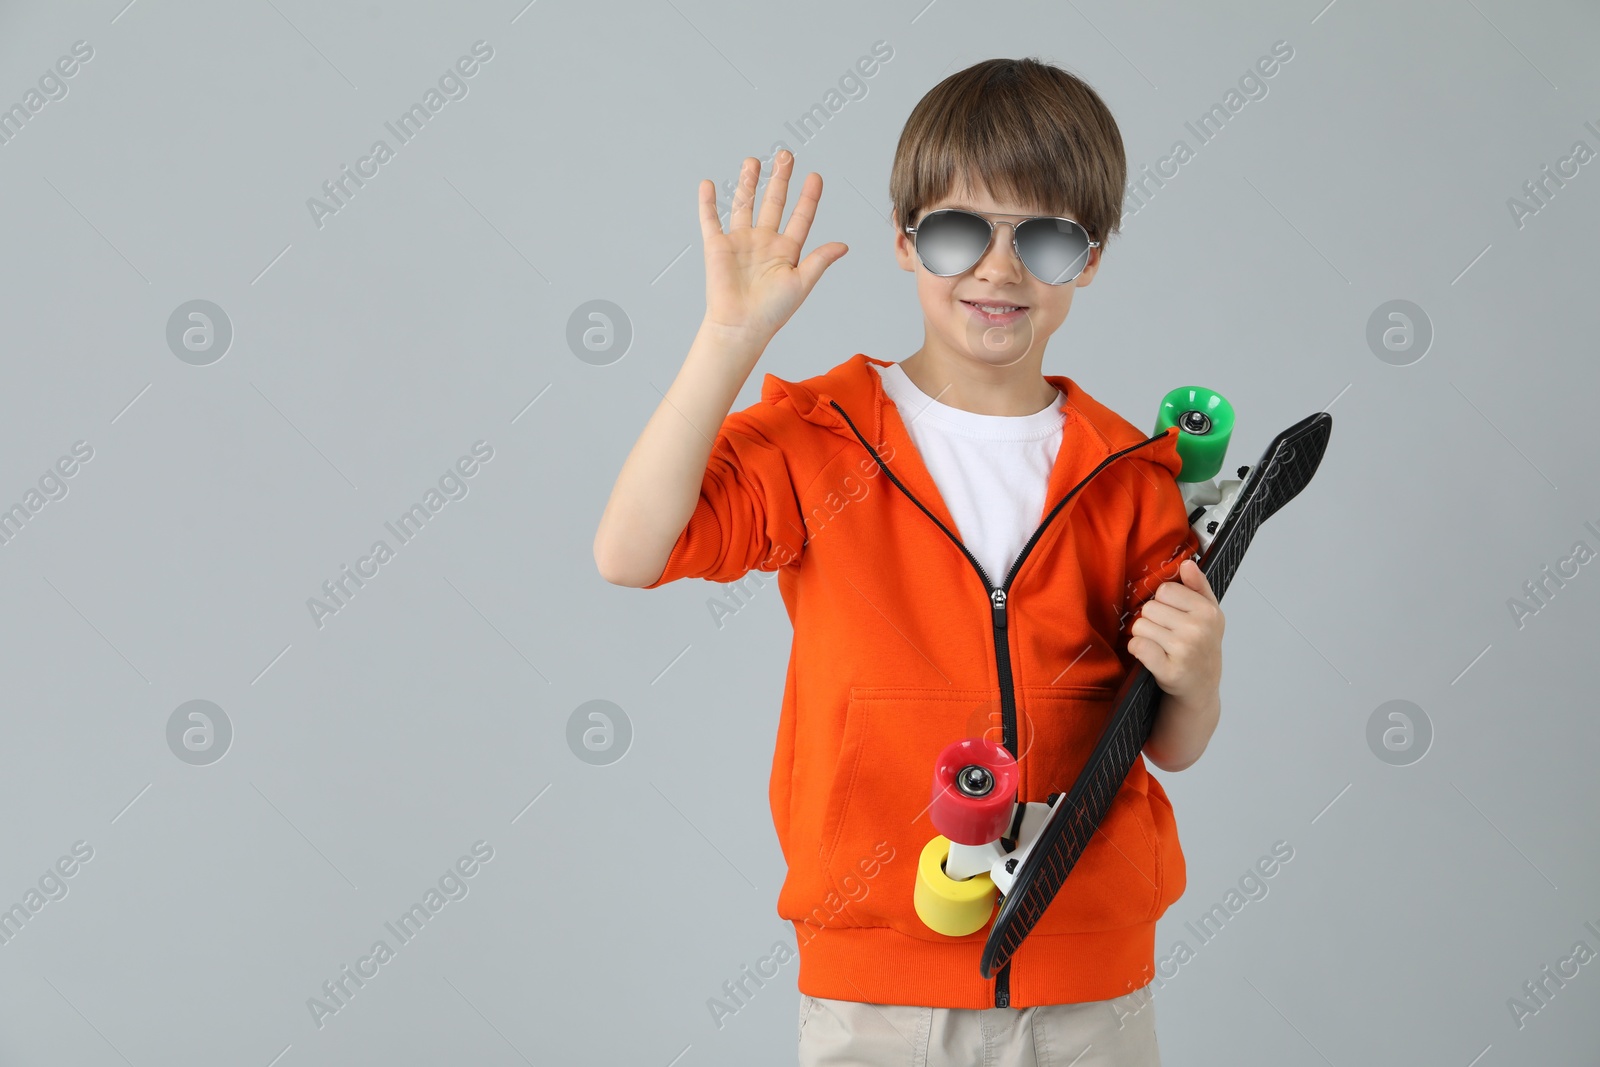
989,844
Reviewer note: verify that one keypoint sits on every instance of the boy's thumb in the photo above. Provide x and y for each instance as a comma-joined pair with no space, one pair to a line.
821,258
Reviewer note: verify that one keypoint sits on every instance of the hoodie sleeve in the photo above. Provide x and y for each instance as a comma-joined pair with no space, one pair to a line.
748,515
1159,539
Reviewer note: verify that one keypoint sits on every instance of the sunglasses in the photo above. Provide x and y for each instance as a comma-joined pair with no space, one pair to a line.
950,240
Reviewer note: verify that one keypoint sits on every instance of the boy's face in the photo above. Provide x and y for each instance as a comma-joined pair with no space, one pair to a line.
959,329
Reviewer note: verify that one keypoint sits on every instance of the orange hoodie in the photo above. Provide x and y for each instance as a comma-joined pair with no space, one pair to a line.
902,644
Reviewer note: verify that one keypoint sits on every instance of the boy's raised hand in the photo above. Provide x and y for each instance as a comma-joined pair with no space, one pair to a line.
754,277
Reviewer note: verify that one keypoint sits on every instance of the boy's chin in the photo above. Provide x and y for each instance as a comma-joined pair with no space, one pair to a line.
1000,346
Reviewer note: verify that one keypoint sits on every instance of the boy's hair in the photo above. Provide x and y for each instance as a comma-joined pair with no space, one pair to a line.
1030,131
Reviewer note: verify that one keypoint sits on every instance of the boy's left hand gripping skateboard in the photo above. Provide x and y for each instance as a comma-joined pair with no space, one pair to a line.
992,847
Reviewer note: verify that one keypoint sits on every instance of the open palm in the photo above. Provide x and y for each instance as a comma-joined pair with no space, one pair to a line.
755,279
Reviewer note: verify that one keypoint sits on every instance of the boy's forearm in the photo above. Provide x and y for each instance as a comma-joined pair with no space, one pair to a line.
1182,730
659,485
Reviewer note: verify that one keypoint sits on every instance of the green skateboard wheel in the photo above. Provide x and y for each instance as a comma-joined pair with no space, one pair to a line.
1205,421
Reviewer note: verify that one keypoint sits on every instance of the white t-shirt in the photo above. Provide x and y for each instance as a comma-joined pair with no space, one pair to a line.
991,470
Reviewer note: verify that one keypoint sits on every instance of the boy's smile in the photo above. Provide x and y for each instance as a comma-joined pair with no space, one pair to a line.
987,361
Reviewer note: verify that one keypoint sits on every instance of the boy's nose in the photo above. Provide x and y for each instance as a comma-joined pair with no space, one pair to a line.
1000,257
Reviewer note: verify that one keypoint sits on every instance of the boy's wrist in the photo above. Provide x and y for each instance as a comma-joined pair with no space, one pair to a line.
1195,703
736,342
716,368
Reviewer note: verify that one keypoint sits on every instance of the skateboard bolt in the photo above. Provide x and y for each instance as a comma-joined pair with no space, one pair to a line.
974,780
1196,422
1011,866
1243,469
1211,527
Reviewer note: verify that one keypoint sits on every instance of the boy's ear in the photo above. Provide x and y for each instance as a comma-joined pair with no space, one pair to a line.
1090,268
904,253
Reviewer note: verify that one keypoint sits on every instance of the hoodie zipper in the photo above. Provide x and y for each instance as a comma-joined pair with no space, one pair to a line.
997,606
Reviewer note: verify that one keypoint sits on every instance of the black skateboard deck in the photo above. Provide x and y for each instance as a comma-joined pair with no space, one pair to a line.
1285,468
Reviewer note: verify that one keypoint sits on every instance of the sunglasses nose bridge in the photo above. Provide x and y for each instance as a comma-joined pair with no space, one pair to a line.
1010,243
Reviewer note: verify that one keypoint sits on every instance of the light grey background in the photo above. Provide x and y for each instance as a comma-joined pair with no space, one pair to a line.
432,712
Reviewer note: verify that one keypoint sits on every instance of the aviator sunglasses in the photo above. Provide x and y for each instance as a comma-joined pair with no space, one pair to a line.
950,240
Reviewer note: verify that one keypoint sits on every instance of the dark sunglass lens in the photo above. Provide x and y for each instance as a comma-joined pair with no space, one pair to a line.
1054,250
951,241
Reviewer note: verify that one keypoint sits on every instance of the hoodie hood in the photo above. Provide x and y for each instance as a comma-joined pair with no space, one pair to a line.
859,390
856,388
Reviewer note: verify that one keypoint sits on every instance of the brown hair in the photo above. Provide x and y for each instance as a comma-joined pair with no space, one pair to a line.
1030,131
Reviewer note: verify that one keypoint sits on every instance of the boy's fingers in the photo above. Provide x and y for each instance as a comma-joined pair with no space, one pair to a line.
1145,649
1153,632
1165,616
1195,578
805,209
777,191
744,194
710,225
1180,595
819,260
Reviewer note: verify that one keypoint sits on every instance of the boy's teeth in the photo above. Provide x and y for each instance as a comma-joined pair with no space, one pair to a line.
995,309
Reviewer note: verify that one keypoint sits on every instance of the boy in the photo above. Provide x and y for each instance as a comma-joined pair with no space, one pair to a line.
962,543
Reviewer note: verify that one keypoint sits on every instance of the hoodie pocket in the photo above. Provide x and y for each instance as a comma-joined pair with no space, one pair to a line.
883,781
882,785
1117,880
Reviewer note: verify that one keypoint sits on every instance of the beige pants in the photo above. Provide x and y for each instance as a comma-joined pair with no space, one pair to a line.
848,1033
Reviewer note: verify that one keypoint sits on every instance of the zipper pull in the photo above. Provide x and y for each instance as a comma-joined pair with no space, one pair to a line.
999,599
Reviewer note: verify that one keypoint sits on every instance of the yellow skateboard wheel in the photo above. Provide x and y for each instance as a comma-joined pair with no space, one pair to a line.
945,905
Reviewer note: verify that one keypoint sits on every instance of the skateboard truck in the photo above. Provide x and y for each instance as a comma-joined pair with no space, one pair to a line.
1205,419
984,836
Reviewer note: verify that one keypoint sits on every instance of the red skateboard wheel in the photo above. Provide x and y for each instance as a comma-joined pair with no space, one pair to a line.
974,791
